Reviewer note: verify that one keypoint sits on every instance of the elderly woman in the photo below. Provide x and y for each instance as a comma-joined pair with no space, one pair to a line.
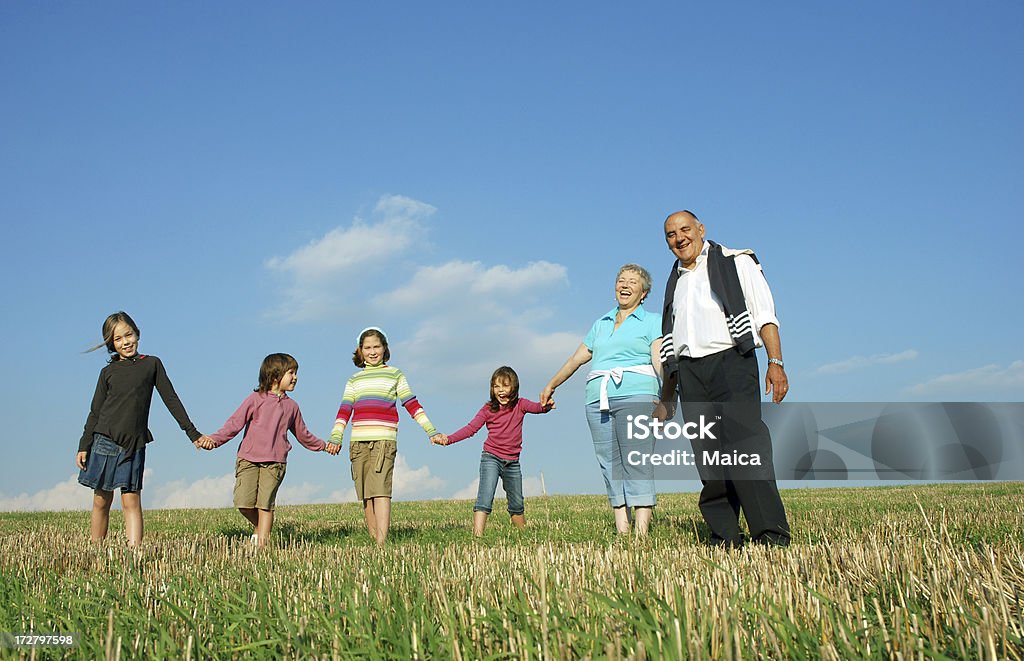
624,345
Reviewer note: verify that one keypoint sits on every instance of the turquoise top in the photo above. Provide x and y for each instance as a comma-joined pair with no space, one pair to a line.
626,346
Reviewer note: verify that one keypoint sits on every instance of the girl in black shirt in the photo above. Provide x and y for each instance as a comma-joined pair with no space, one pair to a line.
112,451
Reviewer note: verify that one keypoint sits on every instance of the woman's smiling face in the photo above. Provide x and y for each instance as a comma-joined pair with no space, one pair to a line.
629,290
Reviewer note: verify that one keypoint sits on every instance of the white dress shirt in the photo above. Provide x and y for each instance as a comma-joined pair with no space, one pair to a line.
699,326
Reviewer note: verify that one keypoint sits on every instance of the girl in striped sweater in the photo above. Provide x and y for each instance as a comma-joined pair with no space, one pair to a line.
371,403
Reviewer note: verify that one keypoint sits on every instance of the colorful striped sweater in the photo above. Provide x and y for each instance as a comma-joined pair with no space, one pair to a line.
370,401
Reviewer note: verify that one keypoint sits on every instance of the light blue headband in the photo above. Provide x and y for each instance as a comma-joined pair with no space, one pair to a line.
359,338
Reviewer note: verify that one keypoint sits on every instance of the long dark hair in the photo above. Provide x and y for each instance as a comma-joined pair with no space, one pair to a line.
505,373
109,324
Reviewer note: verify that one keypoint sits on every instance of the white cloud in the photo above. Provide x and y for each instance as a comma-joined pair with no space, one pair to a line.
465,353
408,483
339,249
532,487
299,494
70,495
459,319
468,492
364,247
343,496
218,491
182,494
536,276
862,362
400,206
66,495
414,483
987,380
473,284
344,248
473,318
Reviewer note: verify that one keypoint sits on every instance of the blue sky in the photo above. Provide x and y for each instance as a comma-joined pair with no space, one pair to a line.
246,178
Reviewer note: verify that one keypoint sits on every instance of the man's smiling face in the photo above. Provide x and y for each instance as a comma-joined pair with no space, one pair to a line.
684,235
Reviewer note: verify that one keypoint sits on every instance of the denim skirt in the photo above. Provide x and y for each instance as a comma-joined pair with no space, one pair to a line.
109,467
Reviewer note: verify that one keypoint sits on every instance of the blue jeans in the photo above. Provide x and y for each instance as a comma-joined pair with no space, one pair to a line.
625,484
492,467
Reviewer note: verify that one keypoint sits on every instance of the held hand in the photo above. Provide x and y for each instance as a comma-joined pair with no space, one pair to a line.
664,411
332,449
776,382
439,439
204,442
80,459
550,405
545,396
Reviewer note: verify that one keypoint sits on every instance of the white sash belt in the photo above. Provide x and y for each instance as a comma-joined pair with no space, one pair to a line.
615,374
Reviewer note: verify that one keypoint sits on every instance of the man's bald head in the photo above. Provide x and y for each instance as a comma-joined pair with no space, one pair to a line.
685,213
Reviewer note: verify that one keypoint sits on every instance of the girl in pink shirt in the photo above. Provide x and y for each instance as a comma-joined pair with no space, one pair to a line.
503,415
267,415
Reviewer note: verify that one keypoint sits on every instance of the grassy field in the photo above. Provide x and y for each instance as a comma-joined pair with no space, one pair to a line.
926,571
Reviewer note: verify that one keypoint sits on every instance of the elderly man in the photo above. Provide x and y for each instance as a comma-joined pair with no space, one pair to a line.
718,308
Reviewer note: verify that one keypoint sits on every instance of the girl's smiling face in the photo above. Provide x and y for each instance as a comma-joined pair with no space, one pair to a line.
126,342
502,391
372,350
287,382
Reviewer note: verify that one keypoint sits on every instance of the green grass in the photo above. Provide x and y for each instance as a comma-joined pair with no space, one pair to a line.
927,571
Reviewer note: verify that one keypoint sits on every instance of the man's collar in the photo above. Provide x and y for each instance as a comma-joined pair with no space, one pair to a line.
680,269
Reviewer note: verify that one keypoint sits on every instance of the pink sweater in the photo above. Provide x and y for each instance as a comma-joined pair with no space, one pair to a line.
504,428
267,419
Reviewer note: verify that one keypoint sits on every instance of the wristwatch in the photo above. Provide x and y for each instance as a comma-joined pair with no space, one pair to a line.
777,361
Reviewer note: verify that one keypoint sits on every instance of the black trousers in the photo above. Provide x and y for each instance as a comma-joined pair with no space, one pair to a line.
725,387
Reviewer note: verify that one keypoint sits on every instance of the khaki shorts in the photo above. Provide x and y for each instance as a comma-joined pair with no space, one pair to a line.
256,484
373,465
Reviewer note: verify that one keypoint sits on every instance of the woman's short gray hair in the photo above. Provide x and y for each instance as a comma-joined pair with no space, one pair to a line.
645,277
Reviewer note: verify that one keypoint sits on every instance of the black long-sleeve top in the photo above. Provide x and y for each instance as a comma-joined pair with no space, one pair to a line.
120,406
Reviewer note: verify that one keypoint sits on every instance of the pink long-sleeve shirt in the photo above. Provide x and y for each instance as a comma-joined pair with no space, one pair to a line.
267,419
504,428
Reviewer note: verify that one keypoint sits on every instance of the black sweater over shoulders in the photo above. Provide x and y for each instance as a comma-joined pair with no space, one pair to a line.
120,406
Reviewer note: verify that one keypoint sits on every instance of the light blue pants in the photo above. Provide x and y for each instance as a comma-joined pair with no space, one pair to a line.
491,468
626,485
